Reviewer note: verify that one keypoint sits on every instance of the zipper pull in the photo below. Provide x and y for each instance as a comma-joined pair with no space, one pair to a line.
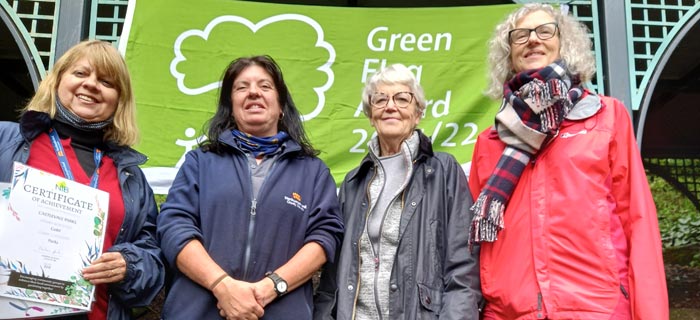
253,206
624,292
376,264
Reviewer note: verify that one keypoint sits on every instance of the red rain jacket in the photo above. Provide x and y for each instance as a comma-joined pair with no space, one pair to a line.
581,237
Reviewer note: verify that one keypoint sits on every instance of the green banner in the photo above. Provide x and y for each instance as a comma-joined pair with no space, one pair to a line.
177,50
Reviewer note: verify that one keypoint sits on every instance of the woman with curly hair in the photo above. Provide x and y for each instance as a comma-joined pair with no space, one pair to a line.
562,205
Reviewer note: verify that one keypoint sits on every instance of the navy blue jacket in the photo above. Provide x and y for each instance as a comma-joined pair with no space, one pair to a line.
211,200
136,240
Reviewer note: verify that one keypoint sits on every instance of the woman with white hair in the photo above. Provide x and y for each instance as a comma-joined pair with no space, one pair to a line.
405,208
563,212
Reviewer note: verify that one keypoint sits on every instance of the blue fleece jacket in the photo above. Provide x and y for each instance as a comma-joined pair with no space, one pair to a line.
211,200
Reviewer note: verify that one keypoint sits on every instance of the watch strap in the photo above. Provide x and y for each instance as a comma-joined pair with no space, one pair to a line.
276,279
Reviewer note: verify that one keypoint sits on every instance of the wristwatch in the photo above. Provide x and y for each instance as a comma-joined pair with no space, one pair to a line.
280,284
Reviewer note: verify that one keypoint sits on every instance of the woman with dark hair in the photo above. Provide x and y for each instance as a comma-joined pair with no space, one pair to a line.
224,119
252,213
562,204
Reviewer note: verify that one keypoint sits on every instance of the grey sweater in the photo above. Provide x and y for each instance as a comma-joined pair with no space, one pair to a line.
378,259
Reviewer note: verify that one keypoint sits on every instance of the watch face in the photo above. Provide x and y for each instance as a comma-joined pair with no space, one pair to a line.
282,286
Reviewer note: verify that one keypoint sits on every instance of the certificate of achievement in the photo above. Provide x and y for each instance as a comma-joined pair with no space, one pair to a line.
11,308
50,228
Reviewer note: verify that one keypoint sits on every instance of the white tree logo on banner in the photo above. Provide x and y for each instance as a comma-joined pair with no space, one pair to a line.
254,27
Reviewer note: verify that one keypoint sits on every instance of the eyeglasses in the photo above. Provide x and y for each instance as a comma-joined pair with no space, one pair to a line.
380,100
543,32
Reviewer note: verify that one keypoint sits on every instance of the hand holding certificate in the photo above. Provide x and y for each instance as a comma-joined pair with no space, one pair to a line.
57,228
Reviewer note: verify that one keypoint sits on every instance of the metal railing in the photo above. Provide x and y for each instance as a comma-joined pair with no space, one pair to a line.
107,19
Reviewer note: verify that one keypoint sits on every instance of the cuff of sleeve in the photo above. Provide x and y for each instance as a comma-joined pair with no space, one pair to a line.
329,250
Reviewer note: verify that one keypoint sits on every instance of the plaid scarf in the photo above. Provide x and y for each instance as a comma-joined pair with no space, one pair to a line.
535,102
259,146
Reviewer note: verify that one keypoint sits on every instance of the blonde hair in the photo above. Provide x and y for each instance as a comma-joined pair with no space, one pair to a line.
108,63
575,47
394,74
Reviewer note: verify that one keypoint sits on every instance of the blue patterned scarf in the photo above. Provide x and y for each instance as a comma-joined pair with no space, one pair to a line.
259,146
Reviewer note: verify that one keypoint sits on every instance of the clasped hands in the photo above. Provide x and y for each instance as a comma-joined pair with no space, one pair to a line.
243,300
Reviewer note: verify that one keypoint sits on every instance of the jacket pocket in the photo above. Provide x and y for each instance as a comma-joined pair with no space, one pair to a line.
430,298
326,305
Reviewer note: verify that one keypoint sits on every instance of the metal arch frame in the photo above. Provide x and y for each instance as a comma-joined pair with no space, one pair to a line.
664,52
65,32
638,89
24,42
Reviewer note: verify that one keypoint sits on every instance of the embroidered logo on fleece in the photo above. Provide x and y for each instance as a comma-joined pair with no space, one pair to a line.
567,135
295,200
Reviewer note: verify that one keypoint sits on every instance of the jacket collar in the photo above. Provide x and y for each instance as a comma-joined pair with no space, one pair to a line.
425,150
33,123
124,156
586,107
409,147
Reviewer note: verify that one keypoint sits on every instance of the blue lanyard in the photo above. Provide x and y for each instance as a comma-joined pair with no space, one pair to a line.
63,161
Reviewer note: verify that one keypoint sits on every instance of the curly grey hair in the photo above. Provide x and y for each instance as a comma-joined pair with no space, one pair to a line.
394,74
575,47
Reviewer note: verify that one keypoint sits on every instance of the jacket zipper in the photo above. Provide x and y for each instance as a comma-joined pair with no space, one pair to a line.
379,246
251,227
109,301
253,213
375,253
376,256
130,203
624,292
359,256
376,266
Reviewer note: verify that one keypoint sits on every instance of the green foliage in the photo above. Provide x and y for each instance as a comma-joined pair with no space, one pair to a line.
160,198
679,220
684,314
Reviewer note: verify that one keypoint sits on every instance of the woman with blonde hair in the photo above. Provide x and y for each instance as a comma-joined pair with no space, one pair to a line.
81,124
